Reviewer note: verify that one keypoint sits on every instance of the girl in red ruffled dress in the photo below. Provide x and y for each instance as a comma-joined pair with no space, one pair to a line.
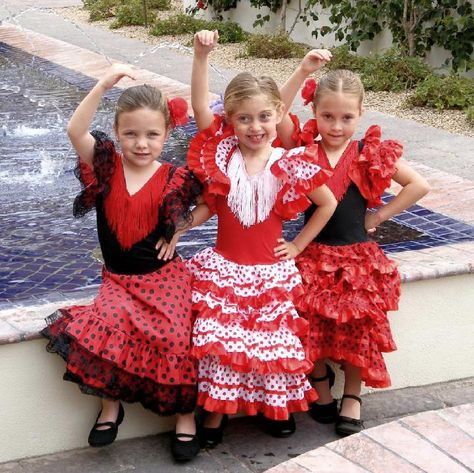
246,331
133,342
349,283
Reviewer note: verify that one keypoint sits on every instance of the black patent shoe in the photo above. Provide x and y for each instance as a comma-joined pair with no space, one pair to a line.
347,425
100,438
184,450
280,428
210,437
324,413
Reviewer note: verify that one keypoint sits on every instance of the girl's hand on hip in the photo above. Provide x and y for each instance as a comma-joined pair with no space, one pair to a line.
166,250
315,59
372,221
115,73
287,250
205,41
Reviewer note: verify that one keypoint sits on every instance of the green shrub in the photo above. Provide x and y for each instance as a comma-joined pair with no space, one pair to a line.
130,13
470,115
343,58
274,47
184,24
393,71
100,9
444,92
159,4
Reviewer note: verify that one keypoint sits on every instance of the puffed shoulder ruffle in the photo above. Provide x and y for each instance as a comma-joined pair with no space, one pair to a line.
372,171
300,175
179,195
209,152
95,180
301,135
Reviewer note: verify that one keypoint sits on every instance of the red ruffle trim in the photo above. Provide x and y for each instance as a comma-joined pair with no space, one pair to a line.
348,282
302,187
121,350
202,161
372,377
372,172
241,363
254,408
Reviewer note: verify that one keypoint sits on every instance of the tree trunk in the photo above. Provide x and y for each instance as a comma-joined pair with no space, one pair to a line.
282,24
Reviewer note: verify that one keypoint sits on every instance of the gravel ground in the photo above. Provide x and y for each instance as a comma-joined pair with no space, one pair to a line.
227,56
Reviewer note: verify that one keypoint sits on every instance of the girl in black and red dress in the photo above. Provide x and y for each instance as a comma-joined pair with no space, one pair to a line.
350,284
133,342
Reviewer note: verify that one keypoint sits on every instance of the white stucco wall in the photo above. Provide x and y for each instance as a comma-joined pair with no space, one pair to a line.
40,413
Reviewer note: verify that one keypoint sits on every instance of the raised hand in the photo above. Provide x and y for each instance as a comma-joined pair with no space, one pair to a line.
115,73
205,41
315,59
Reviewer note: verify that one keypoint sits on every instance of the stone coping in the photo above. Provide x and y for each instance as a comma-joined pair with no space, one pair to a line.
451,195
432,441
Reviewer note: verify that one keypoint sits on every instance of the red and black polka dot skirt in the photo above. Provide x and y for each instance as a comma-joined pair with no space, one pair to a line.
133,342
348,291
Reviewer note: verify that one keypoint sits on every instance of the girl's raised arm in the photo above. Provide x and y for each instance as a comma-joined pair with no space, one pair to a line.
414,187
80,122
313,61
204,42
326,205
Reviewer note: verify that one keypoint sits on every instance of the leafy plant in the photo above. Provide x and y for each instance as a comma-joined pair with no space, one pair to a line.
100,9
452,91
130,13
274,47
470,115
184,24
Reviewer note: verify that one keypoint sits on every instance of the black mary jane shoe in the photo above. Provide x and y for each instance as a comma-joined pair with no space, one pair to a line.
347,425
210,437
324,413
184,450
280,428
100,438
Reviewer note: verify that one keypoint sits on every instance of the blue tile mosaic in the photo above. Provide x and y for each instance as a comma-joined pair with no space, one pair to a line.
46,255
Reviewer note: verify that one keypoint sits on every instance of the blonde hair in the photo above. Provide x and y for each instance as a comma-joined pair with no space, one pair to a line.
244,86
142,96
340,81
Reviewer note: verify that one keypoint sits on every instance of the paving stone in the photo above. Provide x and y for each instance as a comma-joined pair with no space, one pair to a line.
370,455
324,460
454,441
413,448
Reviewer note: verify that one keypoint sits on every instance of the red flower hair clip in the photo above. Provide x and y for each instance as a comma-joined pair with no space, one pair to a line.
178,108
308,91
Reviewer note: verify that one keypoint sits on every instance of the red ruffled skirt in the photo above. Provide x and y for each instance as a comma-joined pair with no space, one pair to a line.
246,337
348,291
133,342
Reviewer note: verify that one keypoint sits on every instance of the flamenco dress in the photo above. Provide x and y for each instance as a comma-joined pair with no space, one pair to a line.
349,283
246,334
133,342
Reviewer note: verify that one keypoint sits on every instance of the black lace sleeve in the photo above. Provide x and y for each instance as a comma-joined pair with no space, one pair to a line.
180,196
95,181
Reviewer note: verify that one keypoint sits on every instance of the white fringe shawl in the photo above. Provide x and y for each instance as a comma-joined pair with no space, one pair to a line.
251,198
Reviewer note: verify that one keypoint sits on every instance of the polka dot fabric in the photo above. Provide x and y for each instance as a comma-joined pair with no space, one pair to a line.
246,337
348,291
133,342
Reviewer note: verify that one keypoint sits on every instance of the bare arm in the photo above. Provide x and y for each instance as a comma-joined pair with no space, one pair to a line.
313,61
326,205
80,122
414,187
204,42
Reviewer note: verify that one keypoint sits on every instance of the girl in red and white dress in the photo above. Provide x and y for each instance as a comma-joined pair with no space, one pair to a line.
349,282
246,332
133,342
